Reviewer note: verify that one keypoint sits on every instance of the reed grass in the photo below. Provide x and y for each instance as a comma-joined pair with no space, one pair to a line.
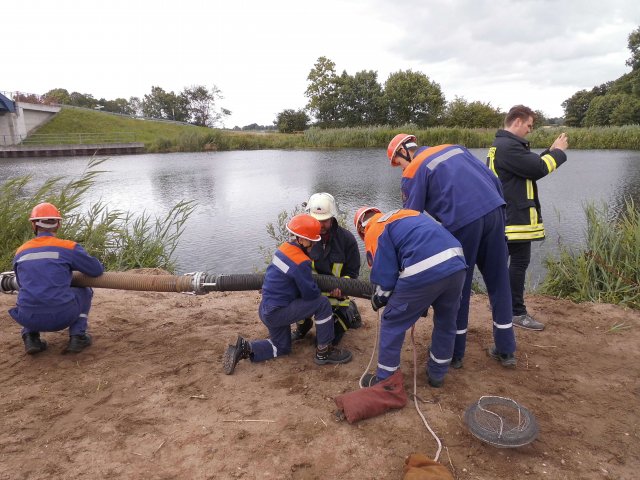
120,240
607,269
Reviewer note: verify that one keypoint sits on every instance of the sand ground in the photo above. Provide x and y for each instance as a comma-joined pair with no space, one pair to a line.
149,399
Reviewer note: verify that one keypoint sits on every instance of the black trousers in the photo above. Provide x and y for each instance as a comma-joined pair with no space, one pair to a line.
519,259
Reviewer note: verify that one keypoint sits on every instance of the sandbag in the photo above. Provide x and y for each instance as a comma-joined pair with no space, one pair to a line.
419,467
371,401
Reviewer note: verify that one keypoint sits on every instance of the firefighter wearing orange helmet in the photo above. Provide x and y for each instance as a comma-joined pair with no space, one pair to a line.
46,301
290,293
461,193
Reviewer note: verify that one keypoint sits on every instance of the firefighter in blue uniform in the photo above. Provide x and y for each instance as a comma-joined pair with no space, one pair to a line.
46,301
461,193
335,254
289,293
415,264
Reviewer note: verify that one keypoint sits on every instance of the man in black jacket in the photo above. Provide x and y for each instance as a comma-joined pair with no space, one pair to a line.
518,168
335,254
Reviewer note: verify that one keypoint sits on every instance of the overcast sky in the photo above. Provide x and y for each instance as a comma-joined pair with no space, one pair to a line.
259,53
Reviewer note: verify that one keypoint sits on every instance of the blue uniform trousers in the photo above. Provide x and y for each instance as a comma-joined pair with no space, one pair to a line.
405,308
278,321
485,245
73,315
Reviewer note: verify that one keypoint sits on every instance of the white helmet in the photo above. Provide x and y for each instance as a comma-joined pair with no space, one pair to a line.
322,206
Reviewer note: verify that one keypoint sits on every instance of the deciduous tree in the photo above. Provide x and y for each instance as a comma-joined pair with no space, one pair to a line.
289,121
413,98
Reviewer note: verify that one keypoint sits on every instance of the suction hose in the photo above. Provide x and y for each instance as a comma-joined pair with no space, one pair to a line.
197,282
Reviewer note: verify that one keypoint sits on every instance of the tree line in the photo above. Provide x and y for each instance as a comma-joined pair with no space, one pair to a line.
360,100
196,104
613,103
407,97
345,100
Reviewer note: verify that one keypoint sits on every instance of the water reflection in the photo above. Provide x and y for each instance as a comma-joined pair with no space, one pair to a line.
238,193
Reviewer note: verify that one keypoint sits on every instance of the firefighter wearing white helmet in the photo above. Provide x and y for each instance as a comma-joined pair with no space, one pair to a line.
336,254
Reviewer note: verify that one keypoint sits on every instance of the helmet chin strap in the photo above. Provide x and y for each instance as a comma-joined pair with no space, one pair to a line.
400,154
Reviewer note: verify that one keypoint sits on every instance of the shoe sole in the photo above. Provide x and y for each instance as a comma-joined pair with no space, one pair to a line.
228,363
535,329
505,364
333,362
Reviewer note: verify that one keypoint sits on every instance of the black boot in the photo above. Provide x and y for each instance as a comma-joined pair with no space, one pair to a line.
302,328
78,343
235,353
33,344
331,355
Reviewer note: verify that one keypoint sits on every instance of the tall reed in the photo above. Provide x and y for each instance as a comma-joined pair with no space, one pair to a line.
121,240
608,268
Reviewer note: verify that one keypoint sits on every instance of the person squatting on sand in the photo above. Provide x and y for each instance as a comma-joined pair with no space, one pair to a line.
46,300
290,293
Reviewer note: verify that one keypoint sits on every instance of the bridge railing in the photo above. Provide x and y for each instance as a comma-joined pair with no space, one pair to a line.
68,138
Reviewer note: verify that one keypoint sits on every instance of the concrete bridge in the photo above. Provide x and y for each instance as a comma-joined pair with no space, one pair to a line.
18,119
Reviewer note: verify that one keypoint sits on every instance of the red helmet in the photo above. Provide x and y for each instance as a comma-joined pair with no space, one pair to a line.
400,140
360,214
305,226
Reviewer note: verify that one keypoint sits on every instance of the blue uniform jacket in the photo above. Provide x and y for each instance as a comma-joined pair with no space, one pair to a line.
288,277
43,269
409,249
450,184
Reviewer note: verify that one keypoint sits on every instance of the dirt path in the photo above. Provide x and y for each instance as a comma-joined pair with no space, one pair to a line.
149,399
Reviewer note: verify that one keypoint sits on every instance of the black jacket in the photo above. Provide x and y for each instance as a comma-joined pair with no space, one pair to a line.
518,168
339,256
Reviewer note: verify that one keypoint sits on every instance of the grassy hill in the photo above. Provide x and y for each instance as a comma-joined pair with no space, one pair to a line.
159,136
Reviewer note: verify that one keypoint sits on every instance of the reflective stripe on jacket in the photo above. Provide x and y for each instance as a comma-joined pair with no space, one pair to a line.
518,168
288,277
43,267
451,185
406,248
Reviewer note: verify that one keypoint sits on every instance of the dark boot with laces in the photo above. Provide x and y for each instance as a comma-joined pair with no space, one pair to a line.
301,329
235,353
33,344
331,355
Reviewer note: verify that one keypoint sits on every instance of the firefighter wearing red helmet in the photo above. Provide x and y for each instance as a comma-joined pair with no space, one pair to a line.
461,193
46,301
290,293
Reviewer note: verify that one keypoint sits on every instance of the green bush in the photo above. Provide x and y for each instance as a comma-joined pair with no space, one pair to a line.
608,268
119,239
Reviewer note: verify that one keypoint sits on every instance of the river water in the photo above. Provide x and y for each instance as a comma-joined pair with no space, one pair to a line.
239,192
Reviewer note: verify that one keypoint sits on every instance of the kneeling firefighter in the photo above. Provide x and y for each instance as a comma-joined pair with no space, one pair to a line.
289,292
335,254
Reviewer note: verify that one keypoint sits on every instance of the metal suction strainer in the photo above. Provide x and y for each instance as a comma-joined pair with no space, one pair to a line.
501,421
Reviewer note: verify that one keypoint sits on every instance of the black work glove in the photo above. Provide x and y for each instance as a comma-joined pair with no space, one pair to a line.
378,301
